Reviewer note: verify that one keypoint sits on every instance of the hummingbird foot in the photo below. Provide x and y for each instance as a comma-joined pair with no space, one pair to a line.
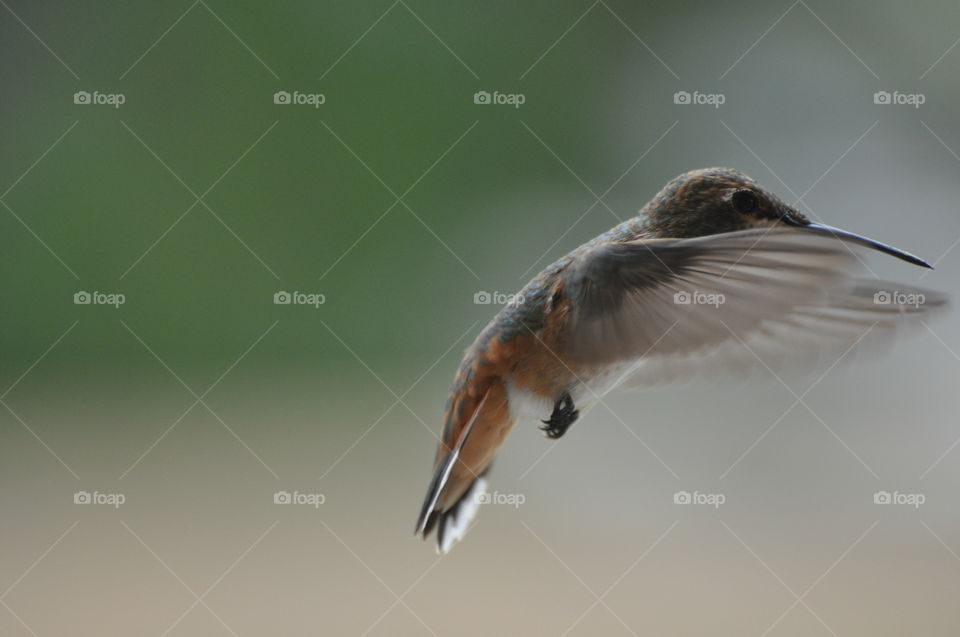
564,414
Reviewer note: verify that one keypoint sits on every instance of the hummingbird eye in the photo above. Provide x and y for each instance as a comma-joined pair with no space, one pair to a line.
744,201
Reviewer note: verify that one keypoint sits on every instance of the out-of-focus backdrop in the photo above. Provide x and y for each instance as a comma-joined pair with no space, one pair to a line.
244,245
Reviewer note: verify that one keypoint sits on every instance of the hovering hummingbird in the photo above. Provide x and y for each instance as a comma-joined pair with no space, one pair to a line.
714,273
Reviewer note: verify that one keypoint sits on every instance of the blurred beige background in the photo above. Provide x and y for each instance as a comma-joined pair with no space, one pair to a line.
398,199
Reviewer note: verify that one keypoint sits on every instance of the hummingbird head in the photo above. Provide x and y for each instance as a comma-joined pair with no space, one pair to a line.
714,200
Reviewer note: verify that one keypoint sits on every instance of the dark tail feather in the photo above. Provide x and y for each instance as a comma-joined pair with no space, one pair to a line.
453,524
430,514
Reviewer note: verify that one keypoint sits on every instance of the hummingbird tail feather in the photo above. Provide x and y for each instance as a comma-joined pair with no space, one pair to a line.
453,524
453,519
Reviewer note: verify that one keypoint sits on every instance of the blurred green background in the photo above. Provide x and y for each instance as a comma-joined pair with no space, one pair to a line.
399,199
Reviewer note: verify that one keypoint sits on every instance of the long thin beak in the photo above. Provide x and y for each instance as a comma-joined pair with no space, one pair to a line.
843,235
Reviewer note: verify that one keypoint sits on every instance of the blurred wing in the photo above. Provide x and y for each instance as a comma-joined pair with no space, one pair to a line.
728,301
